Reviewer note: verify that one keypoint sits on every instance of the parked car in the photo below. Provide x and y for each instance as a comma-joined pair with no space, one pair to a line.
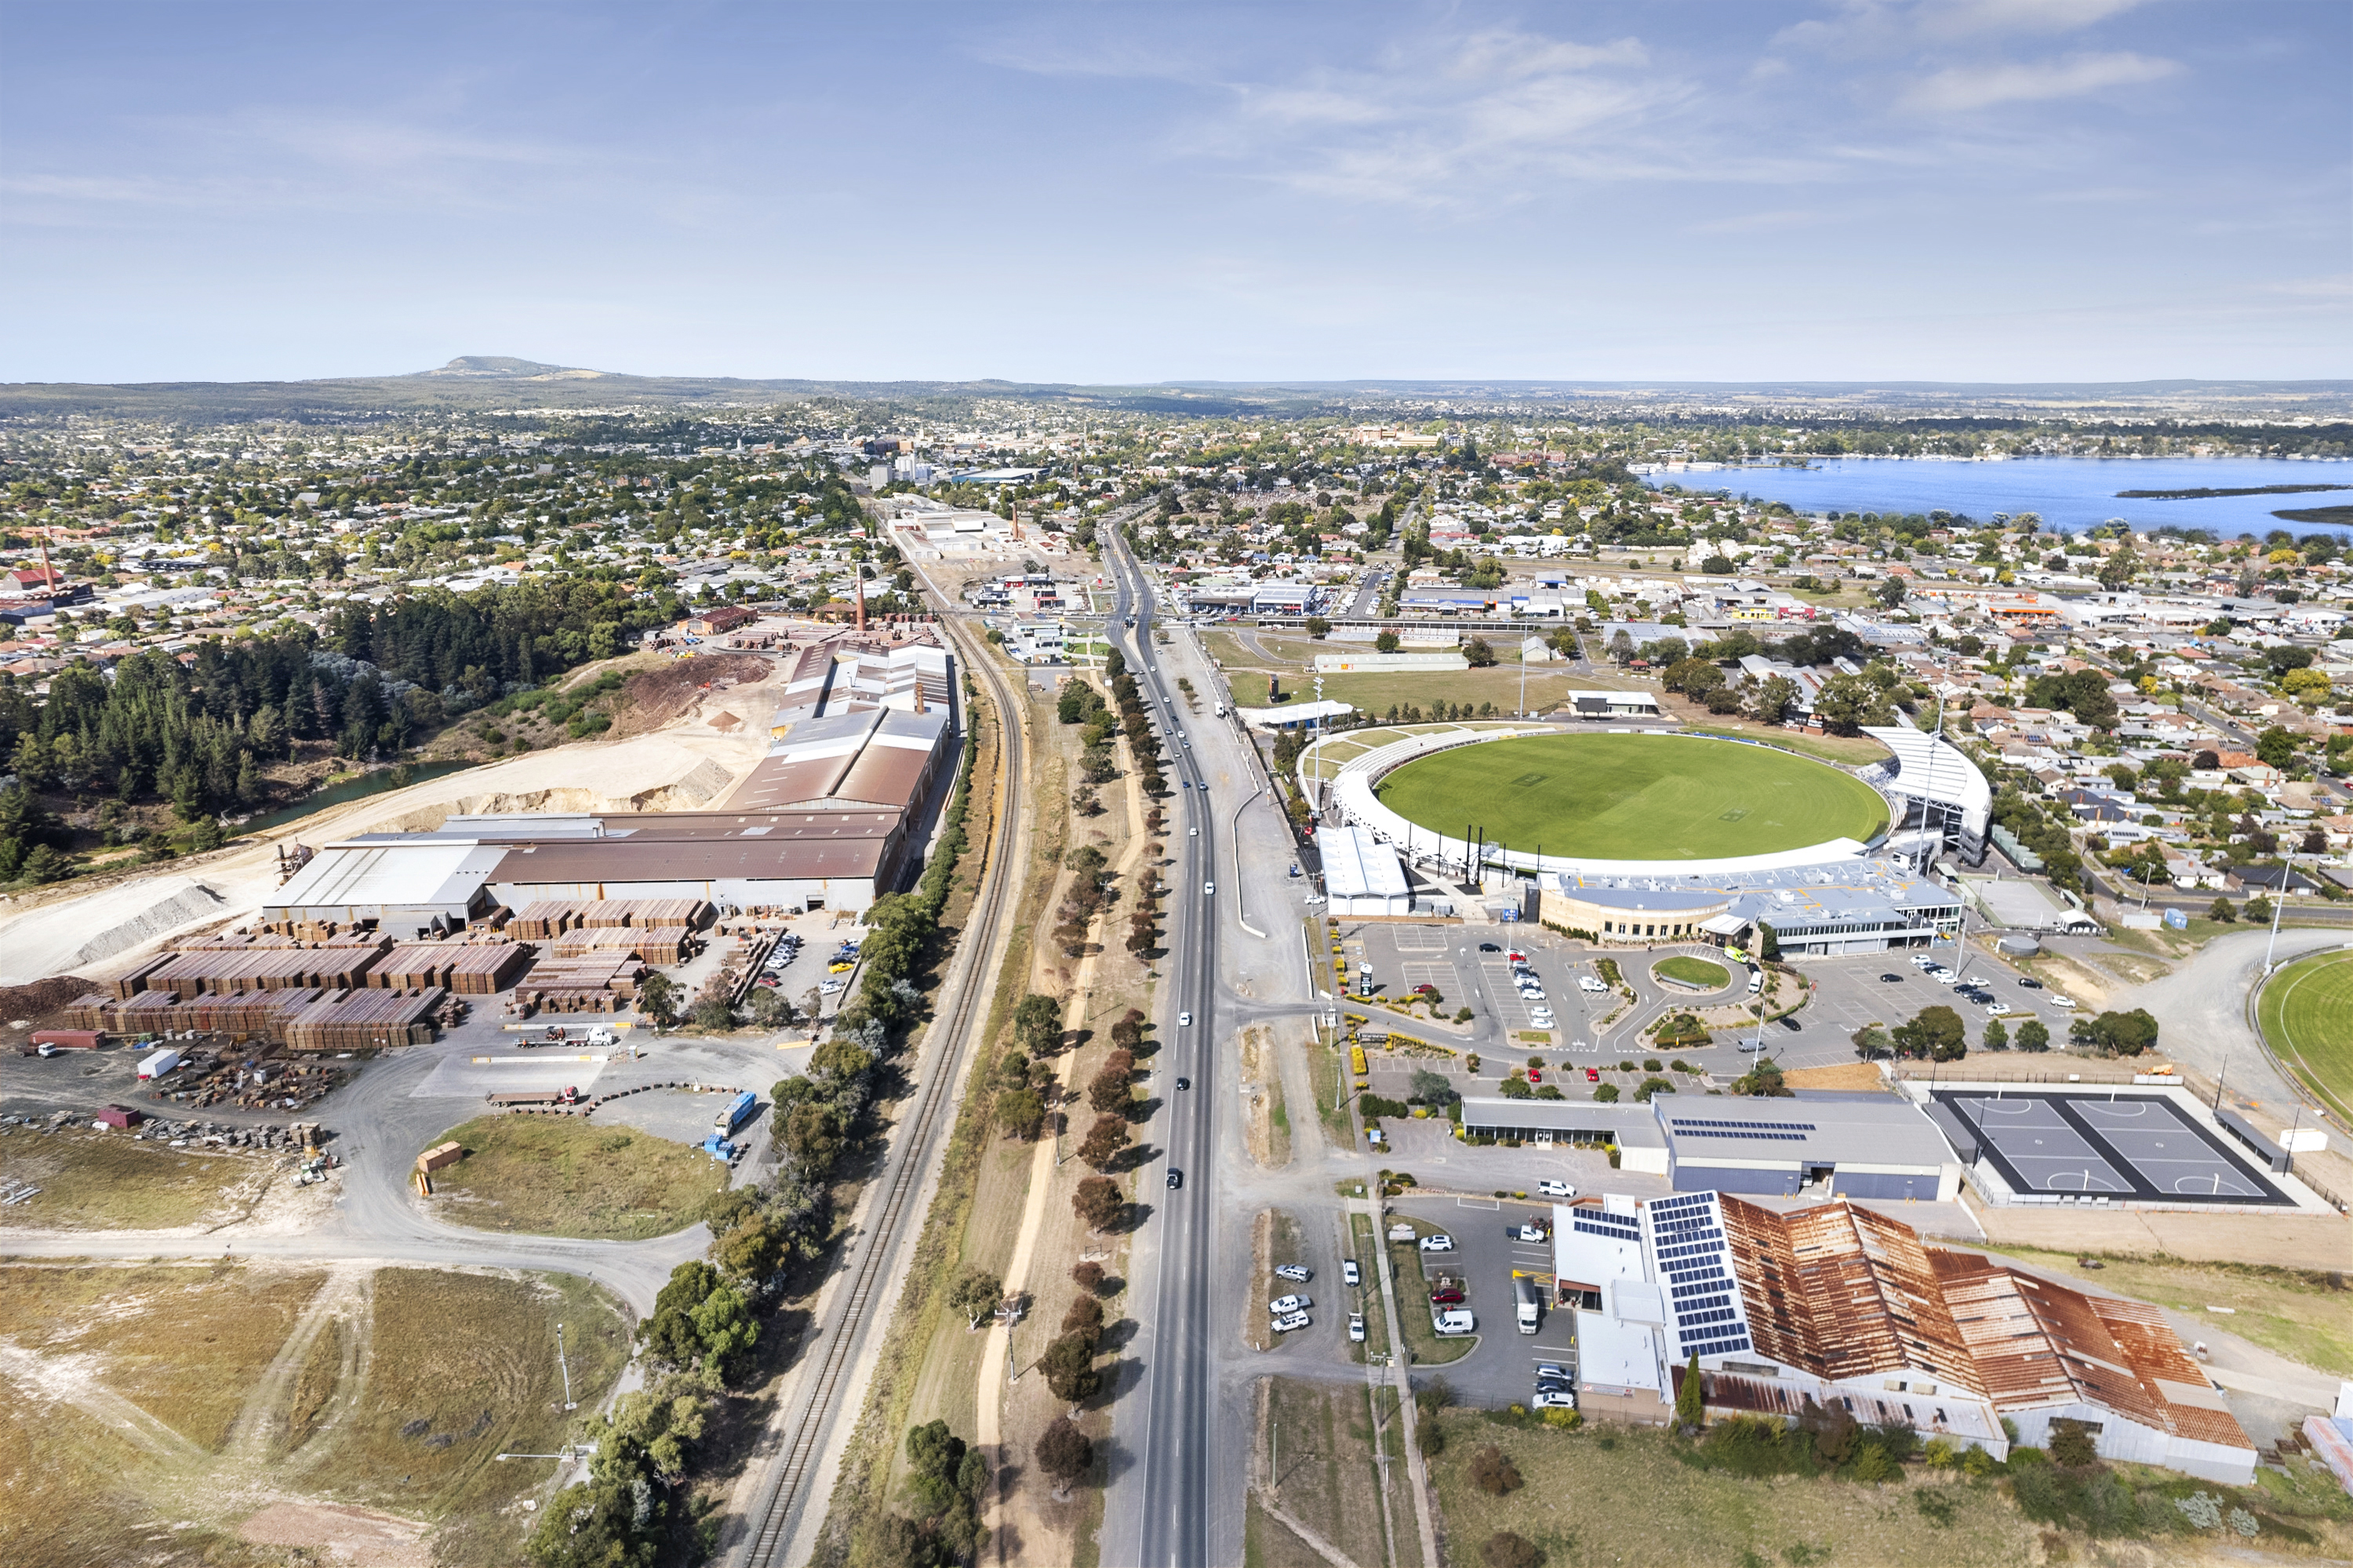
1425,989
1552,1188
2029,982
1447,1295
1283,1304
1536,1075
1553,1399
1531,1232
1298,1271
1997,1007
1592,1074
1891,980
1551,1372
1791,1024
1489,948
1349,1273
1439,1243
1291,1321
1357,1327
1587,984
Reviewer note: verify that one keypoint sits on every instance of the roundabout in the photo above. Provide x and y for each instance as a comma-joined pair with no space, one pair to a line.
1647,802
1697,975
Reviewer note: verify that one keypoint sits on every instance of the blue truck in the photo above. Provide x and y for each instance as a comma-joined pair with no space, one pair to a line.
731,1115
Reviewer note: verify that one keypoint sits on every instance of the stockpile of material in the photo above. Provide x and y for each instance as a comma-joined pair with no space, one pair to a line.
225,971
365,1020
469,969
664,946
262,1014
544,918
600,982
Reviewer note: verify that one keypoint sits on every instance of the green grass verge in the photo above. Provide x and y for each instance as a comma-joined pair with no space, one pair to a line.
1365,1247
1635,797
562,1176
1694,971
2307,1017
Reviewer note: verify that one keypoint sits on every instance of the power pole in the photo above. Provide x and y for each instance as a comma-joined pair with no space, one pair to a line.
566,1365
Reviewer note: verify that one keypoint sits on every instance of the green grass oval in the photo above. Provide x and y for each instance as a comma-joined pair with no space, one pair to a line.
1695,973
2306,1016
1634,797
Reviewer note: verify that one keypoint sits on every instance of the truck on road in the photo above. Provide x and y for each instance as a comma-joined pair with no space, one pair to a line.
732,1115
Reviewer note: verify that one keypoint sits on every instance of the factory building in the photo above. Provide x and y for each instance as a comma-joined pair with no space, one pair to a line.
1835,1304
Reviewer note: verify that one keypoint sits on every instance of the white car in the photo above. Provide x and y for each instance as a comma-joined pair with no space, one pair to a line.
828,987
1298,1271
1553,1399
1588,984
1531,1232
1357,1327
1553,1189
1285,1324
1209,889
2058,1001
1183,1021
1439,1243
1997,1007
1192,832
1541,1018
1348,1272
1283,1304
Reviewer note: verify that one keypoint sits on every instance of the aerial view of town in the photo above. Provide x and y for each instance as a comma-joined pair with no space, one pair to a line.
1307,788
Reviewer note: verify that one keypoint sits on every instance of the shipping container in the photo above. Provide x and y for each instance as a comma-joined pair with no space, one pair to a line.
66,1039
156,1066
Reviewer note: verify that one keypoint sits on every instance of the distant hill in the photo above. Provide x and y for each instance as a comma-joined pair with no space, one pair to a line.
479,381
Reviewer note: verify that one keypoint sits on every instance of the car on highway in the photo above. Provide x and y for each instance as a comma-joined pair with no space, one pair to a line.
1209,889
1297,1271
1552,1187
1184,1083
1553,1399
1349,1274
1185,783
1357,1327
1192,832
1441,1242
1183,1021
1283,1304
1291,1321
1176,1177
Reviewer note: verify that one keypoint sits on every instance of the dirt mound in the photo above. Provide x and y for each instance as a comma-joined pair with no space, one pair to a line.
652,698
42,998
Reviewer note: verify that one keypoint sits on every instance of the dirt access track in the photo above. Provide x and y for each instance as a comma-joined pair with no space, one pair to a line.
709,741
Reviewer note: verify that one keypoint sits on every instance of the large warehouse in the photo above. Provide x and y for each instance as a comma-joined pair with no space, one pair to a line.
1848,1146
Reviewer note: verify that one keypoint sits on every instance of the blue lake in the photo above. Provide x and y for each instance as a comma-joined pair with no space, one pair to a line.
2070,494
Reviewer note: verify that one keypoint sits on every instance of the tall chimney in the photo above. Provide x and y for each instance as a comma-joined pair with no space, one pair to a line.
860,569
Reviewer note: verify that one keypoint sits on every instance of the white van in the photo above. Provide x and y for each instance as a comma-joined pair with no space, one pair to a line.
1756,981
1523,1292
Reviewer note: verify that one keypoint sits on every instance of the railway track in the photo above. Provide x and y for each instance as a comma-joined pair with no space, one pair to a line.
853,1316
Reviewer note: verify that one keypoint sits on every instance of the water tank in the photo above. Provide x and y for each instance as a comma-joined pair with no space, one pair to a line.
2018,946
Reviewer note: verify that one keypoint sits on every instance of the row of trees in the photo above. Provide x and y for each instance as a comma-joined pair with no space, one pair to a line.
1937,1033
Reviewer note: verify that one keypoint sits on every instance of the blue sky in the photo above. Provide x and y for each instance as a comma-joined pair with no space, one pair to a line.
2000,190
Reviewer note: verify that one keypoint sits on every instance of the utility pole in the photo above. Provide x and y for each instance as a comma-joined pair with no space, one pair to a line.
566,1365
2278,904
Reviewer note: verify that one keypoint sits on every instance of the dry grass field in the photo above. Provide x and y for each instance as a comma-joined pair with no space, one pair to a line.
563,1176
106,1181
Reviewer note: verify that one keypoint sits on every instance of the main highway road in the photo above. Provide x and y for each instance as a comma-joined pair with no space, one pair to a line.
1190,1509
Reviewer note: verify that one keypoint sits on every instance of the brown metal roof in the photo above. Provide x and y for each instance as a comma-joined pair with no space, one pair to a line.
853,851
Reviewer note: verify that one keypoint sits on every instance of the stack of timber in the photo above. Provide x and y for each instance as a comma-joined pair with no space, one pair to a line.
469,969
656,946
214,972
365,1020
646,913
601,982
542,919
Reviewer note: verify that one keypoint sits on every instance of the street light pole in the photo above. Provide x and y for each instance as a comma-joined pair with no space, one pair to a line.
2287,875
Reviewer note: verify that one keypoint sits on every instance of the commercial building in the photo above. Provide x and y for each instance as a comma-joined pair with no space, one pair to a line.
1818,909
1835,1304
1847,1146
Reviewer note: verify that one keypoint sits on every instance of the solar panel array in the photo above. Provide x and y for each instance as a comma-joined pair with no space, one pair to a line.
1773,1132
1607,1225
1692,1260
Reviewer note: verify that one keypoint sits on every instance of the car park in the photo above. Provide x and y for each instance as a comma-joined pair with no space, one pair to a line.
1298,1271
1349,1273
1290,1322
1357,1327
1552,1188
1283,1304
1439,1243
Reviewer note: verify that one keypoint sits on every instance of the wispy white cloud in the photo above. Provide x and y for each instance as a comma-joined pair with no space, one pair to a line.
1958,89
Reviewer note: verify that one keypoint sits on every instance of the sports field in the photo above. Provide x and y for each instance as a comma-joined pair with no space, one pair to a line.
2307,1017
1634,797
